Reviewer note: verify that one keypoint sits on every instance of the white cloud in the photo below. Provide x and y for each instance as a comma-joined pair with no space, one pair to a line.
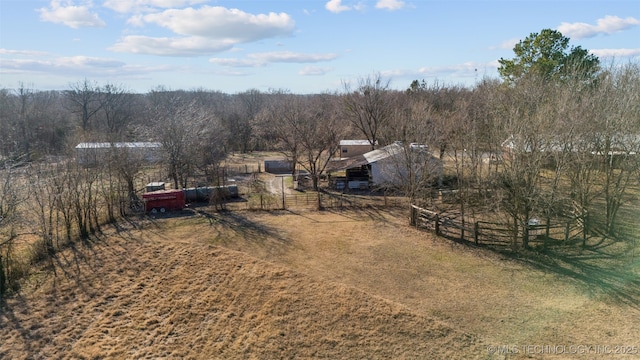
291,57
262,59
168,46
22,52
136,20
335,6
136,6
236,63
314,71
607,25
71,15
222,23
507,44
65,65
390,4
205,31
88,61
615,53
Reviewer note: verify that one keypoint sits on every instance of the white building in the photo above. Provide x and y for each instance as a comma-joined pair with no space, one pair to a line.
388,166
92,153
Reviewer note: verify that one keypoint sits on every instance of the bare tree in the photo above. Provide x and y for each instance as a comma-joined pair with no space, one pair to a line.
526,143
416,171
181,125
24,119
307,129
10,198
83,99
252,102
116,105
617,100
319,130
368,106
126,163
277,121
43,210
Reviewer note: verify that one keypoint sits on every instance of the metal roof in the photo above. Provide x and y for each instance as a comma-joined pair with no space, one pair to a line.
107,145
355,142
383,153
367,158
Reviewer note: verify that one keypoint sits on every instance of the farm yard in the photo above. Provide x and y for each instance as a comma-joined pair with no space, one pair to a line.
357,279
302,284
436,222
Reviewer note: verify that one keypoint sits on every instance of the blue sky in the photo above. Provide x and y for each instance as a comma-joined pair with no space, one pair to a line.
304,46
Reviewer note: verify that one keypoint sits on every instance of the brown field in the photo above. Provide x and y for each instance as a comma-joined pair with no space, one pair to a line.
265,285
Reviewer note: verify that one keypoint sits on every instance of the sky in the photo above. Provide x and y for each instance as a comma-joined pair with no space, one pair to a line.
302,46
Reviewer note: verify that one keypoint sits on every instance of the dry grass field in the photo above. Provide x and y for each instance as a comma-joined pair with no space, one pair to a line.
273,285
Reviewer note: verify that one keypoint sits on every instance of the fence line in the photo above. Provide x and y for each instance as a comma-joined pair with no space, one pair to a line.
492,234
312,200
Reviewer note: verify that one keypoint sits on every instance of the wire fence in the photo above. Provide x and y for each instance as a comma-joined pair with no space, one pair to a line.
312,200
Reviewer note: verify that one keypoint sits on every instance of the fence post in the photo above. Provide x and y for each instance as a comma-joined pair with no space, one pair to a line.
412,218
261,203
476,231
437,225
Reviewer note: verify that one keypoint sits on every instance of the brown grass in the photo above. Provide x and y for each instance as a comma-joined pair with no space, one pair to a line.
255,285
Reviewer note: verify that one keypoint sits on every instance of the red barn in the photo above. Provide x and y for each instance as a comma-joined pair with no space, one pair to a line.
163,200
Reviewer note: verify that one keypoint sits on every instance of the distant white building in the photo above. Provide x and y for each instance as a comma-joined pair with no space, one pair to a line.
92,153
351,148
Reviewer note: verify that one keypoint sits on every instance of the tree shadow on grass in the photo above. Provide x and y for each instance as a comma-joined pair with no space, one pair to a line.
604,269
235,223
8,316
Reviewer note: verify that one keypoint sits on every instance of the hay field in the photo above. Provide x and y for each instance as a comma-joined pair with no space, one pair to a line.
303,285
166,293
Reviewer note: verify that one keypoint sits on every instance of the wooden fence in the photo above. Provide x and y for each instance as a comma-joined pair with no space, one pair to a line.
493,234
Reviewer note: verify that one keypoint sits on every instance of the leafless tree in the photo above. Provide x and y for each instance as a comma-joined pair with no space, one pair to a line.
181,125
617,101
43,210
307,129
10,198
368,106
116,109
24,119
526,142
126,164
416,171
243,121
83,99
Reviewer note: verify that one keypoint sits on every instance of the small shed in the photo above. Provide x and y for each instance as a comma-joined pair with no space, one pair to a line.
278,166
351,148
